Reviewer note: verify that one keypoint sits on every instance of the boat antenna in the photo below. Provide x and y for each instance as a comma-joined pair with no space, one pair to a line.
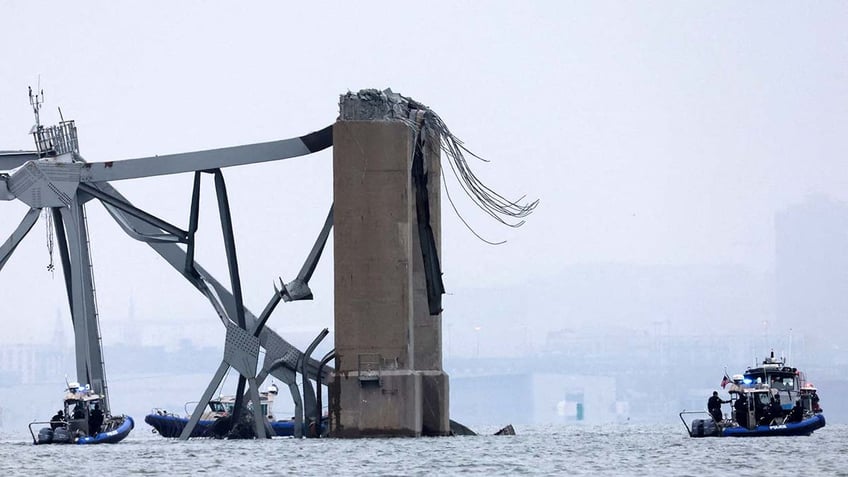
221,386
789,354
36,100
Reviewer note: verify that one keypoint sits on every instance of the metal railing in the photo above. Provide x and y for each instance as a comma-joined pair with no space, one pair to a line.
56,140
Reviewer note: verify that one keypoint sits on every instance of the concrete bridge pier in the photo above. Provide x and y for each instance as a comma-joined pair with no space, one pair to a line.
389,378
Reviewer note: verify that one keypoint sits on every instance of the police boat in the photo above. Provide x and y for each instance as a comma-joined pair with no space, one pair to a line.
771,399
83,419
215,421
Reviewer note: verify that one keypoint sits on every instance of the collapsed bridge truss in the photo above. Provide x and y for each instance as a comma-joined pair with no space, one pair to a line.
56,178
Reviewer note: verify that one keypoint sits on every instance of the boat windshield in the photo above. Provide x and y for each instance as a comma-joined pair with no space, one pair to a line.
218,406
783,383
780,380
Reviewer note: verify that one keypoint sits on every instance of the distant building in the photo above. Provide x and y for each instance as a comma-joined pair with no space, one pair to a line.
26,364
812,273
491,398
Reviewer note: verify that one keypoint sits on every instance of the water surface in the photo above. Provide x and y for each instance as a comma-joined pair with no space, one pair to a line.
543,450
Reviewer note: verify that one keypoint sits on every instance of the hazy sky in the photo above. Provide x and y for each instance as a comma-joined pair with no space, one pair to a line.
653,132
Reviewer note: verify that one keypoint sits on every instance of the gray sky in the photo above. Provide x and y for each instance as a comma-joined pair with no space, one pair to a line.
653,132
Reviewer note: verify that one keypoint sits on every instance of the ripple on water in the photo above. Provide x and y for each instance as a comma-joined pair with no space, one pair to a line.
542,450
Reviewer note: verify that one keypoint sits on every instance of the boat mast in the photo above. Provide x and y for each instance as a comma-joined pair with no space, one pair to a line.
789,353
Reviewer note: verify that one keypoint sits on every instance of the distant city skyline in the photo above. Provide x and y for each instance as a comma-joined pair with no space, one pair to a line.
614,378
681,299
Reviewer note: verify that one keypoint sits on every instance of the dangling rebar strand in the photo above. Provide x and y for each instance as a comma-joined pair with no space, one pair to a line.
395,106
48,222
482,195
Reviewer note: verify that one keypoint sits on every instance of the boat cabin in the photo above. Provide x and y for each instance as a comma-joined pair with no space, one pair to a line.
757,406
223,406
84,410
773,374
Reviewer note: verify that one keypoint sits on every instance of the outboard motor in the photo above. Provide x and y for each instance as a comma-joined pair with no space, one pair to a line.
704,428
61,435
45,435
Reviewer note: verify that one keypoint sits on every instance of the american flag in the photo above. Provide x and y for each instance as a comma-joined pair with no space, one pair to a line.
724,381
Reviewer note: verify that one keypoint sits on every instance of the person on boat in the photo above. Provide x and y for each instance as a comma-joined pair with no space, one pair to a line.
714,406
95,420
741,408
78,413
796,414
57,420
814,398
775,410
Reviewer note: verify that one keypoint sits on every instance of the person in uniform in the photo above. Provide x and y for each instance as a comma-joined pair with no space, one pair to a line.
95,420
58,420
714,406
741,408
